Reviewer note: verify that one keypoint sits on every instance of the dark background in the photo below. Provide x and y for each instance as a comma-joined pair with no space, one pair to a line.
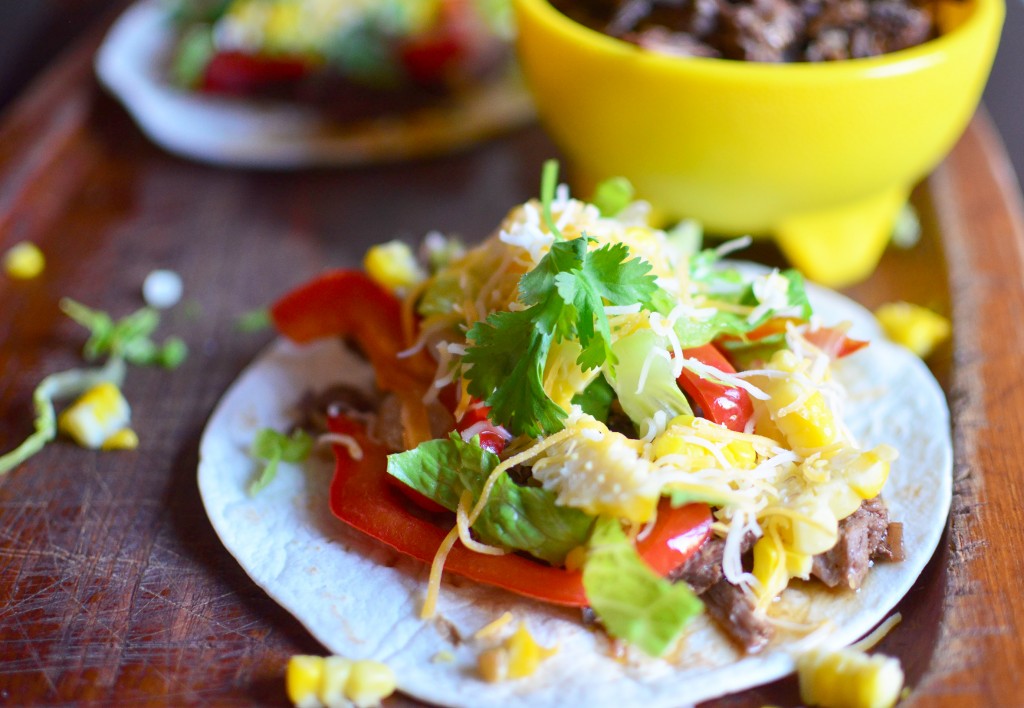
31,31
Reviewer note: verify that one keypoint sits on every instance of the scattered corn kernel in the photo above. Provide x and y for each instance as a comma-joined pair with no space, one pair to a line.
369,683
393,265
848,678
493,664
99,414
303,679
517,657
917,328
24,261
123,439
334,682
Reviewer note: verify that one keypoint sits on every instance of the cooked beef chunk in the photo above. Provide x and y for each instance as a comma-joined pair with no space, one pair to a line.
760,30
704,568
863,537
734,611
891,547
315,407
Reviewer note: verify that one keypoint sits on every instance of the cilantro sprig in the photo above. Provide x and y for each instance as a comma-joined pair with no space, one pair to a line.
127,340
565,296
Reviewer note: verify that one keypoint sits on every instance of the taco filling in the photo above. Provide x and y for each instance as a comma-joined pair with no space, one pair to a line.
353,59
591,412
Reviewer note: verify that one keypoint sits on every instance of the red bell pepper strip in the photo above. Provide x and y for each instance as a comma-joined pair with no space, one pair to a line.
362,498
676,535
242,74
831,340
348,303
726,405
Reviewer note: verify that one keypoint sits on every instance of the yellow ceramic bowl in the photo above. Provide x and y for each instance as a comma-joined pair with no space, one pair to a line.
822,156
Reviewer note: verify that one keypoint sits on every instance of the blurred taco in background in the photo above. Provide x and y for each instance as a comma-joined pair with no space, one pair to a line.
295,83
356,59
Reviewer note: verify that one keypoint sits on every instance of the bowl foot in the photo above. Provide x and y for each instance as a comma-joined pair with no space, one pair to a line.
841,246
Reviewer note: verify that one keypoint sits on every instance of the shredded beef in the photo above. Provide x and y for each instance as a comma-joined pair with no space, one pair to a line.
734,612
863,537
704,568
761,30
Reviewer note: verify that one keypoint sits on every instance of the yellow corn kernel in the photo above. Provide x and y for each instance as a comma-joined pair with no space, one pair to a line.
24,261
123,439
811,425
810,531
369,683
98,414
843,499
393,265
917,328
738,454
868,474
769,567
336,672
847,678
302,680
524,653
493,664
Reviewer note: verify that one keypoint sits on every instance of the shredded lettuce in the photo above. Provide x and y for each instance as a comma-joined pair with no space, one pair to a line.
644,383
275,448
515,517
613,195
633,602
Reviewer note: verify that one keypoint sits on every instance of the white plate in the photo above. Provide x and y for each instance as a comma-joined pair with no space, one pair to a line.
362,600
235,132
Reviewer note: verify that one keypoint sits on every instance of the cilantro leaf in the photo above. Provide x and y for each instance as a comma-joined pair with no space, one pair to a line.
566,295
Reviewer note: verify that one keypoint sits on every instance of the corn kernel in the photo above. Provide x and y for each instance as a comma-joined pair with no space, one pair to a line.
848,678
524,653
917,328
369,683
393,265
867,475
769,568
336,671
98,414
493,664
302,680
24,261
123,439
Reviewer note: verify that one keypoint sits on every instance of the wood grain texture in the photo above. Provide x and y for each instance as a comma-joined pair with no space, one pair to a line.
113,586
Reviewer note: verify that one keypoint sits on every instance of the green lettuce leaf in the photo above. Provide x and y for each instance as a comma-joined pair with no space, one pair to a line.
275,447
633,602
515,517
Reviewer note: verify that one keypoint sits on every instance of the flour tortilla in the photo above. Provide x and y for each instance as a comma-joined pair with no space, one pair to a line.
239,133
362,600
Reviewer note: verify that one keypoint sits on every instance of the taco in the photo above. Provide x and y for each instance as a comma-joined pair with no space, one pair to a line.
291,83
613,421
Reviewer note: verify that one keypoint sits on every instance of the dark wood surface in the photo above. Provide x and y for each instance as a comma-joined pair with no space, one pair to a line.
113,586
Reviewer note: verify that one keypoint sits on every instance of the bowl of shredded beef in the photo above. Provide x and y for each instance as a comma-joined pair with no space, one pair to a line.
806,120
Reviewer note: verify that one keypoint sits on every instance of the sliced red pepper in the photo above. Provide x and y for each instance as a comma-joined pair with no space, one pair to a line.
242,74
348,303
676,535
490,437
726,405
831,340
362,498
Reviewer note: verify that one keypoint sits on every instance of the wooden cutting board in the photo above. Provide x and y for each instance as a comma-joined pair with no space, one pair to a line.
113,586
